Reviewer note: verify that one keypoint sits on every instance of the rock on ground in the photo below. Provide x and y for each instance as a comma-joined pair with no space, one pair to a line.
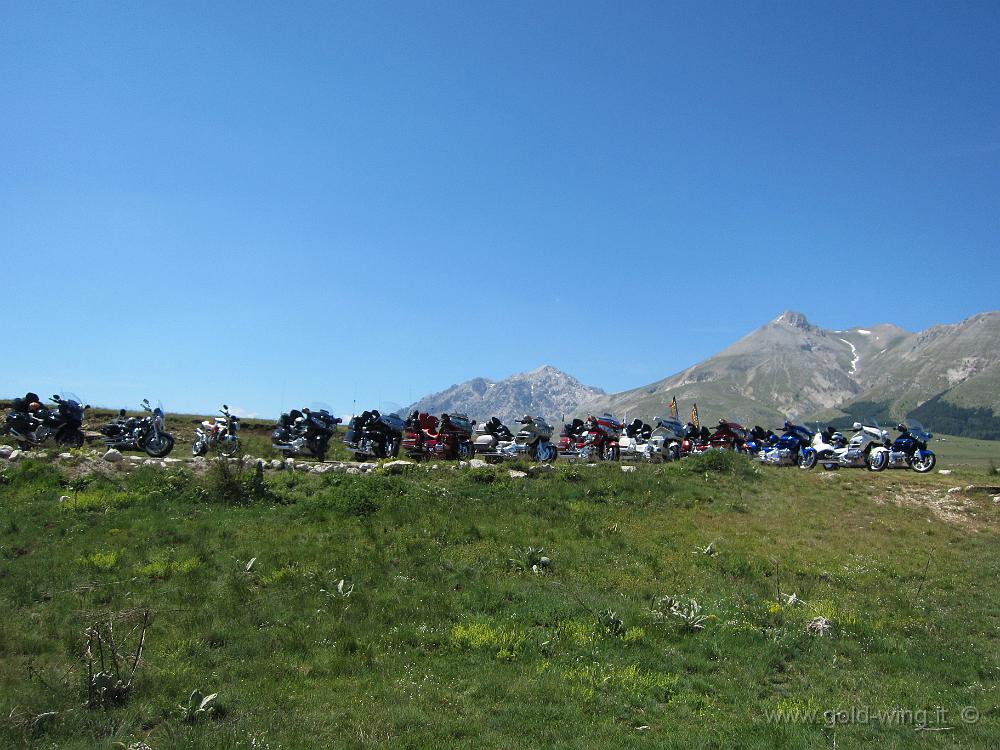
478,463
113,456
5,451
628,469
515,474
398,467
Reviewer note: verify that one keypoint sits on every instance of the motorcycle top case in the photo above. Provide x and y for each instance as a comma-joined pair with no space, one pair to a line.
543,428
609,424
461,422
393,421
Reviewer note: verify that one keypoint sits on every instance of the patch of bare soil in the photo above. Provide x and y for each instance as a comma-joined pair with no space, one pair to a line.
958,508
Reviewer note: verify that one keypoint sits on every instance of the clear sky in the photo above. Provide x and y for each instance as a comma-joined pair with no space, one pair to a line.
271,204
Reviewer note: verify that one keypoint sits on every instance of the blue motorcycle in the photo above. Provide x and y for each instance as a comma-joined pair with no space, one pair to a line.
793,448
909,450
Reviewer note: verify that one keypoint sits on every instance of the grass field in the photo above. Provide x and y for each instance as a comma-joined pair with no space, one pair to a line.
961,451
416,610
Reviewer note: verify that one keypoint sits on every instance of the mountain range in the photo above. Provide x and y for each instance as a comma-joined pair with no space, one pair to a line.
948,376
545,391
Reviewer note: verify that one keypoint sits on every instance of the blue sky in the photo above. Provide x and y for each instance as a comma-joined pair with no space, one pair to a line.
271,204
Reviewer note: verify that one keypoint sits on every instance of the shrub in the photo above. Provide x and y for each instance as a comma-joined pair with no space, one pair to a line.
229,482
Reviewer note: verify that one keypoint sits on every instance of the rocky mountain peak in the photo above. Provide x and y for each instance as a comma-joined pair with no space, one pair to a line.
545,391
792,319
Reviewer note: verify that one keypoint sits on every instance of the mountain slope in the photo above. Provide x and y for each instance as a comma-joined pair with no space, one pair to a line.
546,391
792,368
960,359
788,366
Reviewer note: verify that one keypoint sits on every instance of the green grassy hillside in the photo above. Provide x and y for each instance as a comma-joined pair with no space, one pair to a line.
417,611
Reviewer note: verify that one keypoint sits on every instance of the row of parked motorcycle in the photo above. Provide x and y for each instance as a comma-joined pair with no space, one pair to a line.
604,438
373,435
34,424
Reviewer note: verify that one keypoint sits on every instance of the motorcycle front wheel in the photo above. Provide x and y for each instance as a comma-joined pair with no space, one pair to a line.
319,450
160,445
922,465
878,461
72,438
464,451
198,448
229,448
611,452
807,460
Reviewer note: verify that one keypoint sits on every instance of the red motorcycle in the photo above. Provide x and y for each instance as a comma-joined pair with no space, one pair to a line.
595,438
729,436
425,436
695,440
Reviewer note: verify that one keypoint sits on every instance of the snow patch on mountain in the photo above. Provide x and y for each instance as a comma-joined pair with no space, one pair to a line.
855,355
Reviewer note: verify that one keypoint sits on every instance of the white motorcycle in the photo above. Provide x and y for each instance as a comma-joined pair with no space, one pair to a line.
494,442
218,433
654,444
865,450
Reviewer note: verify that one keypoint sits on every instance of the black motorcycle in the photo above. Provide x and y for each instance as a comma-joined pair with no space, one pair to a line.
147,433
299,433
372,434
60,424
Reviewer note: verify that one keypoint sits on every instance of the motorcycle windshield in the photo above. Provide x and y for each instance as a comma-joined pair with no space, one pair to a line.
870,422
71,405
800,431
321,415
918,430
323,411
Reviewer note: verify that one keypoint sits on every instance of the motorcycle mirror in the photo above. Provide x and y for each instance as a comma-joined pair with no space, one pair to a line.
225,406
121,412
857,425
55,398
